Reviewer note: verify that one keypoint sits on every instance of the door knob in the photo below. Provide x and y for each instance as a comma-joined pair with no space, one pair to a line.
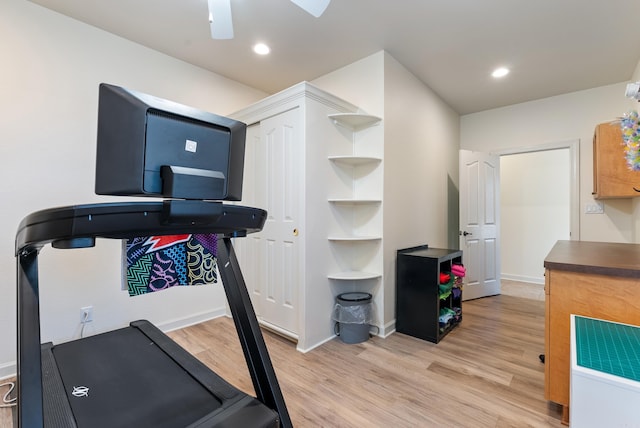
465,233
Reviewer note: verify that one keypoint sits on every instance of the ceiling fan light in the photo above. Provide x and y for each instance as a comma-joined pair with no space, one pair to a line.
314,7
220,19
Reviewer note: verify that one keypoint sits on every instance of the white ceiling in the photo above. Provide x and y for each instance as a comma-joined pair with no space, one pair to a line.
552,46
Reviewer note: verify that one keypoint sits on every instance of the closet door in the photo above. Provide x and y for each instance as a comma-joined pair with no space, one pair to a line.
247,248
273,181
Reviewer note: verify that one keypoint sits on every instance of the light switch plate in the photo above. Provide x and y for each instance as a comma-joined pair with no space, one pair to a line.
594,208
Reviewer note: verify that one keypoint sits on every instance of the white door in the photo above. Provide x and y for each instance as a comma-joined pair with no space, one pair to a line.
270,259
480,223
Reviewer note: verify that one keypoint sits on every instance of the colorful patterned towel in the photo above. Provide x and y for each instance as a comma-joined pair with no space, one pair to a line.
156,263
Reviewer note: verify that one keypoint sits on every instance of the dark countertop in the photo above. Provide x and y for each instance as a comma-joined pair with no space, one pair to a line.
599,258
426,251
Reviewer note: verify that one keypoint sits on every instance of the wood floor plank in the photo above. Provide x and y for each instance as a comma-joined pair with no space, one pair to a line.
7,416
485,373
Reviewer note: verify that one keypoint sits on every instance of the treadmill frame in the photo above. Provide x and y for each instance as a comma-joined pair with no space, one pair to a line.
78,226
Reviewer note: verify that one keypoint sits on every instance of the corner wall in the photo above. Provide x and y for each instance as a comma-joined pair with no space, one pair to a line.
420,170
52,66
421,135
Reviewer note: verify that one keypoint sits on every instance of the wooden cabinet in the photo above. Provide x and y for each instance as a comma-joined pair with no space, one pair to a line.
419,300
611,176
592,279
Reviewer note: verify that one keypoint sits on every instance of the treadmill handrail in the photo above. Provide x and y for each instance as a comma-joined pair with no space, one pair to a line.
133,219
76,226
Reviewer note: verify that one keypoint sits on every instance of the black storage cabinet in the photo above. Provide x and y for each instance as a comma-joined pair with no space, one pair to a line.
418,300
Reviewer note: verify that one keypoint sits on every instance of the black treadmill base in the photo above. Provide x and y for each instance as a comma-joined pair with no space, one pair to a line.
138,377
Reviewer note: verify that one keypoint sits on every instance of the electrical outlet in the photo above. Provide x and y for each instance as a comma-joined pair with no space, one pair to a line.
86,314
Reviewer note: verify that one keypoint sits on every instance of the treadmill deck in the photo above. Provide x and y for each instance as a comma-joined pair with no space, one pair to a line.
138,377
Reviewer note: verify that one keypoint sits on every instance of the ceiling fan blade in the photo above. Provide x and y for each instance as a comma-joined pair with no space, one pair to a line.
220,19
314,7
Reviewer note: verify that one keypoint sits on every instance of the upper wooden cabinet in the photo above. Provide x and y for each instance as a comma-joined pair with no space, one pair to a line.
611,176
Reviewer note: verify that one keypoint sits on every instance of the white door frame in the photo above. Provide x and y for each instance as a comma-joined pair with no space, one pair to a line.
574,181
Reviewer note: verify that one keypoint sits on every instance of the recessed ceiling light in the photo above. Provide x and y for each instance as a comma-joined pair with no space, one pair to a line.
500,72
261,49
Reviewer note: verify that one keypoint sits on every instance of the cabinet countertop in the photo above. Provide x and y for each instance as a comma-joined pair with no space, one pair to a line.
425,251
599,258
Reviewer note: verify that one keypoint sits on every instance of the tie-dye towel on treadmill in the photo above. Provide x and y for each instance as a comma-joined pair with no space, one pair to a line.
156,263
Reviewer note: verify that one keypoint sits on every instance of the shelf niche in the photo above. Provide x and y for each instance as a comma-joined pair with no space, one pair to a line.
355,121
357,231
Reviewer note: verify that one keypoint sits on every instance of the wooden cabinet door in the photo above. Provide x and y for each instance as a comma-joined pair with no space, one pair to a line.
603,297
611,176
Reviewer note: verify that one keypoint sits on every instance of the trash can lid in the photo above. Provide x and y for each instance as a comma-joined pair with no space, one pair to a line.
354,297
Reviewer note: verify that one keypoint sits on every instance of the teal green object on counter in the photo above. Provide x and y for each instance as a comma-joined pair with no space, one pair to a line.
608,347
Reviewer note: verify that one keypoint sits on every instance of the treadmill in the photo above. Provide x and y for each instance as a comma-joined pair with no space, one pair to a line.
136,376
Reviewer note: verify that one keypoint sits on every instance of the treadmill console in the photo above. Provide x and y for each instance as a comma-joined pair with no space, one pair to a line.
148,146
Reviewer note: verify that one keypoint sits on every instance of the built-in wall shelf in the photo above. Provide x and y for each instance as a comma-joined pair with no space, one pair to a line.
353,276
354,238
354,121
354,160
354,201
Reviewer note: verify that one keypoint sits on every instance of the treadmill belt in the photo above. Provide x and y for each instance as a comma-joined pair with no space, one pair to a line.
123,379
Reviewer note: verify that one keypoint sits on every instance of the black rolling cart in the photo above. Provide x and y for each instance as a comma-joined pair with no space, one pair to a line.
198,397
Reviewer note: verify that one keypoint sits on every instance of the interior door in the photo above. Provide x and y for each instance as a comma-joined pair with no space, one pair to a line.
480,223
270,259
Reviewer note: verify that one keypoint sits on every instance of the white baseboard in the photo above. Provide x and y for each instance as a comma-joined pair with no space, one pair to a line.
315,345
523,278
191,320
375,330
8,370
389,329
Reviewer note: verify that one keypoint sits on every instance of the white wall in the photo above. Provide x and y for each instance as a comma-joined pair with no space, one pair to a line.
534,210
361,83
420,157
557,119
51,68
420,170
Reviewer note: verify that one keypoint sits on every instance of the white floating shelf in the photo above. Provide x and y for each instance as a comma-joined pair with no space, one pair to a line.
354,121
353,276
354,201
354,160
354,238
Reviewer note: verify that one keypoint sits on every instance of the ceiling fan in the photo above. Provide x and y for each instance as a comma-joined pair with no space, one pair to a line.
220,15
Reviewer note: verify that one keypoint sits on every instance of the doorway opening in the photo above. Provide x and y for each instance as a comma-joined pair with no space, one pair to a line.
539,205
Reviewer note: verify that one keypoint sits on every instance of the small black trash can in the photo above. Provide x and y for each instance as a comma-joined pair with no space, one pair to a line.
353,314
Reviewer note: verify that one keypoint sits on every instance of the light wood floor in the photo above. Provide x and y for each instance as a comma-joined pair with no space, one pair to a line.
522,289
485,373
